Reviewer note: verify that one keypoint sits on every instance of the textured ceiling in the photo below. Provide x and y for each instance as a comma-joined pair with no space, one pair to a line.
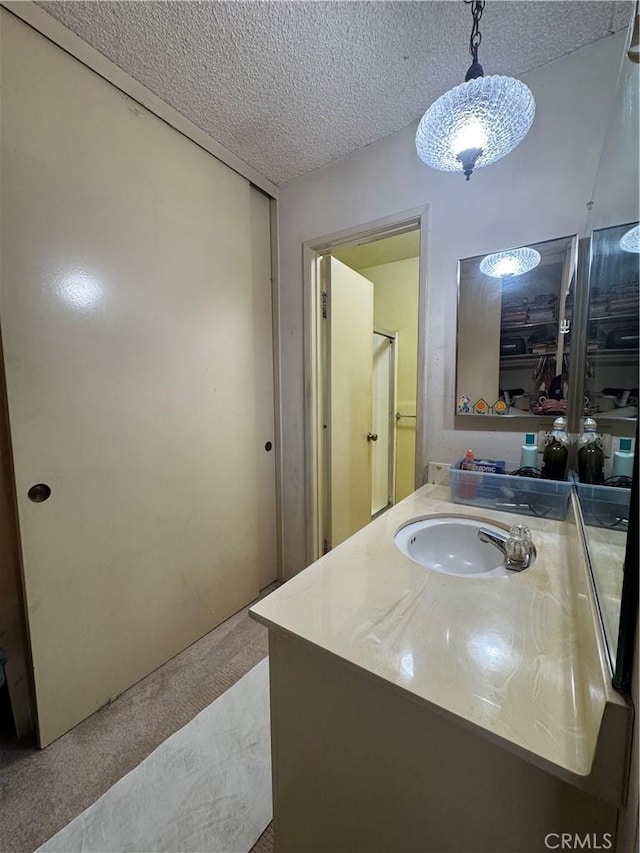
291,86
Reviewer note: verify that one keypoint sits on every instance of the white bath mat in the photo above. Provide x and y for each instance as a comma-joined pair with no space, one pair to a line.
207,788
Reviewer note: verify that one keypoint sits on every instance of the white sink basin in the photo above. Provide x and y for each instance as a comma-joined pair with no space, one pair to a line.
451,546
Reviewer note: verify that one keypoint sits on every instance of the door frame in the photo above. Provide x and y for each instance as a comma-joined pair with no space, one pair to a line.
393,422
312,251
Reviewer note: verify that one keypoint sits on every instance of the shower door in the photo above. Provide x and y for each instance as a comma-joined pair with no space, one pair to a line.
382,451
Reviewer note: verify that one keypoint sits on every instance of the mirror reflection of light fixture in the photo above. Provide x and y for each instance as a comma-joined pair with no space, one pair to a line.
478,122
630,242
511,263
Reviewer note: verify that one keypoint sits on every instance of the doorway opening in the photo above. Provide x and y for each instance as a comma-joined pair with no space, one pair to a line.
366,354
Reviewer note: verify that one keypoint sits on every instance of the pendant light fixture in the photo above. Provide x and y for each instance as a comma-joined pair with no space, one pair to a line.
630,242
510,263
479,121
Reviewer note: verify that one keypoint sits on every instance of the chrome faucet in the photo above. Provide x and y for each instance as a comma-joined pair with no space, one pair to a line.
518,548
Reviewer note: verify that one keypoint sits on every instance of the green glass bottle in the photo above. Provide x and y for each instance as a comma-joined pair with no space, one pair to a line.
556,453
590,456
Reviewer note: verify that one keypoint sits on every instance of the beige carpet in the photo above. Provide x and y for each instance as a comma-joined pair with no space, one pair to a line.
43,790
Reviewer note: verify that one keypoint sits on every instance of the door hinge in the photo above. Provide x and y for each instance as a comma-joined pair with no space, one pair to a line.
325,546
323,297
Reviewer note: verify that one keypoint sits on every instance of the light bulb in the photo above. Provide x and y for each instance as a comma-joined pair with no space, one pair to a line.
470,135
506,266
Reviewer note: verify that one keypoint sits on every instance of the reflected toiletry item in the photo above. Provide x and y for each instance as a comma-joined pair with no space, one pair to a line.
590,455
556,452
623,460
469,485
529,451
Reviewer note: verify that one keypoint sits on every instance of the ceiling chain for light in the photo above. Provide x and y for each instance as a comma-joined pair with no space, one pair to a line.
477,8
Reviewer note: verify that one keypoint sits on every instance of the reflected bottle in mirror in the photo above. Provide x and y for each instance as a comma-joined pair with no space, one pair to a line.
556,452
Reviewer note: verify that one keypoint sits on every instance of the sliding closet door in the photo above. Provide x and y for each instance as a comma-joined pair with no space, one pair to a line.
131,345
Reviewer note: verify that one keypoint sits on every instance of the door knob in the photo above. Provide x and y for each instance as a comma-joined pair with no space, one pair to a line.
372,436
39,493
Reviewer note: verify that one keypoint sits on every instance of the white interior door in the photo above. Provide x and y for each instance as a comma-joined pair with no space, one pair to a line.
350,378
131,343
383,410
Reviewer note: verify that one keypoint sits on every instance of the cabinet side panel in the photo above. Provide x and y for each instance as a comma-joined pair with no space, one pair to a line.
358,767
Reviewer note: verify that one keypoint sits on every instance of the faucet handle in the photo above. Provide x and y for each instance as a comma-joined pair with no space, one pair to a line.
519,544
520,531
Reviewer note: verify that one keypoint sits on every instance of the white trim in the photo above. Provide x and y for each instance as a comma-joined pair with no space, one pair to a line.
394,422
393,338
56,32
311,251
277,385
312,402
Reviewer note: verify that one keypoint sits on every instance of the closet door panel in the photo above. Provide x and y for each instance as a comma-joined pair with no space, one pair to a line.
127,316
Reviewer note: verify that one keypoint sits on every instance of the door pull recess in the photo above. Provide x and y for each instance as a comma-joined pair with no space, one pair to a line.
39,493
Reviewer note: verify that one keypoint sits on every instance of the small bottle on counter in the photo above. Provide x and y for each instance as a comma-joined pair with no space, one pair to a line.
623,460
590,455
529,451
469,461
469,484
556,452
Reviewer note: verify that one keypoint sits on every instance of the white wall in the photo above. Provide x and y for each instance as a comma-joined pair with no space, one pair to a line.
538,192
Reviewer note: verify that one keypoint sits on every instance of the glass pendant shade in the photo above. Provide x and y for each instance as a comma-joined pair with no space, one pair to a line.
511,263
475,124
630,242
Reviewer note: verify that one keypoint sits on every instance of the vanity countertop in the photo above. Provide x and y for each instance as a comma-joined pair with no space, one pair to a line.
500,655
607,550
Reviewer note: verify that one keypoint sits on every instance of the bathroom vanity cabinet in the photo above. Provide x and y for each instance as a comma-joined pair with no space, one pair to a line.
418,711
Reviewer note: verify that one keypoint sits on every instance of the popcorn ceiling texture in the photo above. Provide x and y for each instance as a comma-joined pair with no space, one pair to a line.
291,86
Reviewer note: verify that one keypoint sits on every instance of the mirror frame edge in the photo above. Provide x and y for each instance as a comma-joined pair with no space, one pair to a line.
622,673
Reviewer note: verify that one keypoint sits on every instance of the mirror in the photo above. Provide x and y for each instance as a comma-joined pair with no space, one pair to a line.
611,380
521,311
514,330
611,376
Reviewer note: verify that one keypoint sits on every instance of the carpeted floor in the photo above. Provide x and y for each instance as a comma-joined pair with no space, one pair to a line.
42,790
